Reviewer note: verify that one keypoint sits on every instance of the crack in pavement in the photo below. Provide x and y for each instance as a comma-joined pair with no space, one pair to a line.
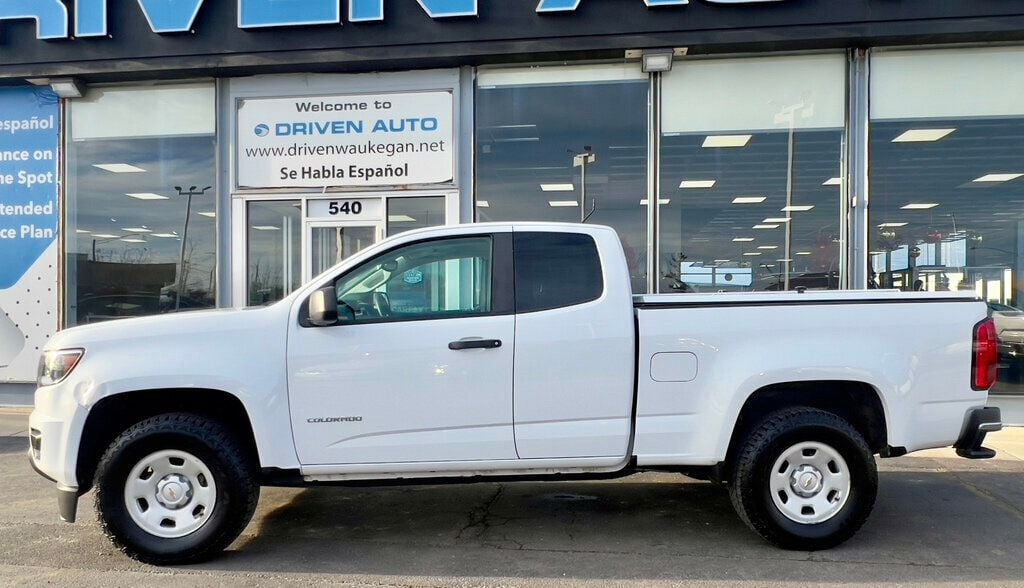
480,517
482,520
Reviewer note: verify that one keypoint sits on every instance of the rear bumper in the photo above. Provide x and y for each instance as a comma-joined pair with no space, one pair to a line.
979,422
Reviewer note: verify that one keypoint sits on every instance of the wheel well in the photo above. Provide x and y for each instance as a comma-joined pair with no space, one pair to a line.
111,416
856,402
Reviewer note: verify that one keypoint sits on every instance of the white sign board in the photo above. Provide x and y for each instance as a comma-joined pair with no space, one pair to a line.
360,140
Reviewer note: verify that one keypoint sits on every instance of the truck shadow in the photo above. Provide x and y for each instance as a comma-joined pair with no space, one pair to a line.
927,526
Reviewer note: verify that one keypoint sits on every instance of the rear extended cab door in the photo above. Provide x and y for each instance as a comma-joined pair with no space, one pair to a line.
575,343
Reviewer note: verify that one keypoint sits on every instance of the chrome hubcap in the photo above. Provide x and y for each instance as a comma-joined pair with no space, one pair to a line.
810,483
170,493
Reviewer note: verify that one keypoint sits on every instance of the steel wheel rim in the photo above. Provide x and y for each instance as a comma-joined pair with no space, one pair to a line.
810,483
170,494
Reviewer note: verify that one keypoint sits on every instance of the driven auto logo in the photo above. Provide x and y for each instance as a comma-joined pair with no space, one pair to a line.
262,130
179,16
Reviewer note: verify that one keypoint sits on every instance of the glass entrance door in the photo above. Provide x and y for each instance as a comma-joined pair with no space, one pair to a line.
289,241
332,243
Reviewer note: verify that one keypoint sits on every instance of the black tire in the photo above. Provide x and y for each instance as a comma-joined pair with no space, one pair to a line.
765,443
231,465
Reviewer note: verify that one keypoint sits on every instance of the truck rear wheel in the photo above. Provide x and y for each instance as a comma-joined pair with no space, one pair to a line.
804,479
175,488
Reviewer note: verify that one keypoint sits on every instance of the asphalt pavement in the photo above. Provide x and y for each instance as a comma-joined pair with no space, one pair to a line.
939,520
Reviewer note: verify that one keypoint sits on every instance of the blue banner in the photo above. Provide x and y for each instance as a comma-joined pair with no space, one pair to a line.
29,154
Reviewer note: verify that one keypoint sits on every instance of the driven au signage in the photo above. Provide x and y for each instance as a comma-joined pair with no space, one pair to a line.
365,141
176,16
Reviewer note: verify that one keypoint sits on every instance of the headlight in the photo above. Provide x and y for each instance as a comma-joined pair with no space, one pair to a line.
54,366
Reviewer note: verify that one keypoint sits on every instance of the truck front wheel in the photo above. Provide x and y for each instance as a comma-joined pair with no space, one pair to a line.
175,488
804,479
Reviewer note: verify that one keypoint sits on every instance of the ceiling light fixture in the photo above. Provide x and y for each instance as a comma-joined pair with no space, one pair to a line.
833,182
136,230
133,240
923,135
563,203
743,239
763,227
557,187
798,208
726,141
661,201
146,196
119,168
483,204
997,178
208,214
768,247
749,199
780,219
265,228
753,254
697,184
919,206
166,235
892,225
105,236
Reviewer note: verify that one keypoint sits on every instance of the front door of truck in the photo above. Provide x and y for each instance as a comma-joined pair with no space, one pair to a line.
420,367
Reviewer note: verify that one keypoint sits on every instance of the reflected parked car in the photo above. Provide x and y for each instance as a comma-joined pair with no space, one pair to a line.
1010,328
93,309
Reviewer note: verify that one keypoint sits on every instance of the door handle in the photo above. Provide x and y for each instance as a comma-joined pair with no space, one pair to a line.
474,344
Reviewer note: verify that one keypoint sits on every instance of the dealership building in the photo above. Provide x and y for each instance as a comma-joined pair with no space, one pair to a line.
162,156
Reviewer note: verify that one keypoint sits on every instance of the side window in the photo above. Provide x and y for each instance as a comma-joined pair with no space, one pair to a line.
554,270
445,278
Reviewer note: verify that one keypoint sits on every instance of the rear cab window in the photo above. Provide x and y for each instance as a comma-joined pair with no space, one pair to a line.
555,270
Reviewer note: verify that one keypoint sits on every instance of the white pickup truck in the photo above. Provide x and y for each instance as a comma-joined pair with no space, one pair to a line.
512,350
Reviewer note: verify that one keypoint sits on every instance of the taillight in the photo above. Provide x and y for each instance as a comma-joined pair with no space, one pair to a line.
986,355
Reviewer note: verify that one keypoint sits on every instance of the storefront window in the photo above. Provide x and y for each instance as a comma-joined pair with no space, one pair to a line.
274,250
566,144
406,214
140,213
947,182
750,160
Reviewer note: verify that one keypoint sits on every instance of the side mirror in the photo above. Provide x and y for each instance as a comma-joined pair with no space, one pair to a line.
323,307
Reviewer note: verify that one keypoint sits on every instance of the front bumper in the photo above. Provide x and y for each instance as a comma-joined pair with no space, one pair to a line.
979,422
67,498
54,430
